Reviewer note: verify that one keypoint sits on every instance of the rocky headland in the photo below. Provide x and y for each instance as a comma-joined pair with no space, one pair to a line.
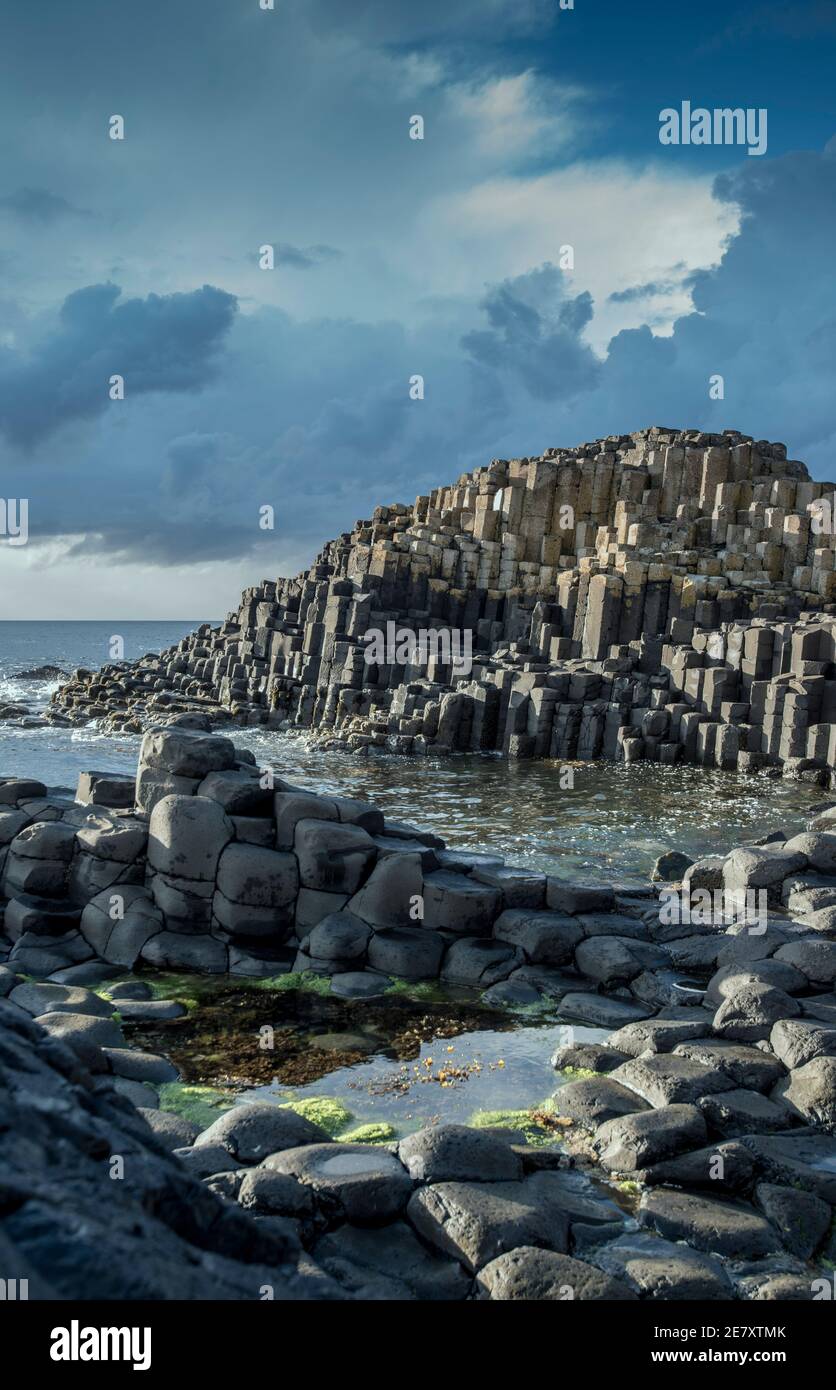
665,595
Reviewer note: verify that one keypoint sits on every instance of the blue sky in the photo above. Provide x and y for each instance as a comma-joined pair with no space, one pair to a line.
246,387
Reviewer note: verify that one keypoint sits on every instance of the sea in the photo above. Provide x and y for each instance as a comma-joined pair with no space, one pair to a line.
605,820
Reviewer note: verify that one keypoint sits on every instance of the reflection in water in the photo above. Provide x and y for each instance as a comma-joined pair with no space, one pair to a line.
451,1077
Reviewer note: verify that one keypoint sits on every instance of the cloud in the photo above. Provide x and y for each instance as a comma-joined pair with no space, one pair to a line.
38,206
535,333
163,343
298,258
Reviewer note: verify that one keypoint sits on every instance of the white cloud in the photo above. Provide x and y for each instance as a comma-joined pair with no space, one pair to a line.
627,227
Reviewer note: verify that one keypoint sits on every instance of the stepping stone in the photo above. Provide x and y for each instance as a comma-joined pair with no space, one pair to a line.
657,1268
670,1080
60,999
592,1102
148,1010
359,984
725,1228
601,1012
637,1141
528,1274
745,1066
743,1112
457,1153
612,924
701,1169
140,1066
252,1131
362,1182
475,1222
658,1034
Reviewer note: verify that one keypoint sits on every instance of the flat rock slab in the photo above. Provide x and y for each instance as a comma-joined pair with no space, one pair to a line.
613,924
140,1066
475,1222
530,1274
741,1111
658,1035
601,1012
82,1028
359,984
361,1183
638,1141
724,1228
592,1102
745,1066
39,999
656,1268
148,1010
670,1080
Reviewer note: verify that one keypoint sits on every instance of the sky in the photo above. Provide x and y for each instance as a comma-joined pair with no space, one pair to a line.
551,270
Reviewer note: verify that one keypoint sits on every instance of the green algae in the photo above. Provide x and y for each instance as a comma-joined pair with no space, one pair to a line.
536,1134
372,1133
200,1105
305,980
577,1073
330,1114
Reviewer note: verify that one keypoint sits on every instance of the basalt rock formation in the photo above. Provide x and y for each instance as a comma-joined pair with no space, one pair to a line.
663,595
713,1093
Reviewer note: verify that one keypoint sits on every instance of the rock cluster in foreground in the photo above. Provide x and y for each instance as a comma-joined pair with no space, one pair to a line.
714,1095
666,595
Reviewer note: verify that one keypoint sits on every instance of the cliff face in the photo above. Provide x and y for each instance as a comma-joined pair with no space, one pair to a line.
663,595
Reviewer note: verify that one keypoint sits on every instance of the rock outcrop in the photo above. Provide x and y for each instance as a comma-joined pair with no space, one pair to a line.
664,595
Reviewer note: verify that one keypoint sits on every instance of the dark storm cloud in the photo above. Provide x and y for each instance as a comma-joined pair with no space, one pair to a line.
163,343
535,333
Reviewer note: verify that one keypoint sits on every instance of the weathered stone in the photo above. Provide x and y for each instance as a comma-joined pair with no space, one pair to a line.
187,835
637,1141
529,1273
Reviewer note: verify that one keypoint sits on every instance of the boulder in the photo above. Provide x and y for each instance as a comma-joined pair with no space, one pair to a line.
457,1153
545,938
251,1132
530,1274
